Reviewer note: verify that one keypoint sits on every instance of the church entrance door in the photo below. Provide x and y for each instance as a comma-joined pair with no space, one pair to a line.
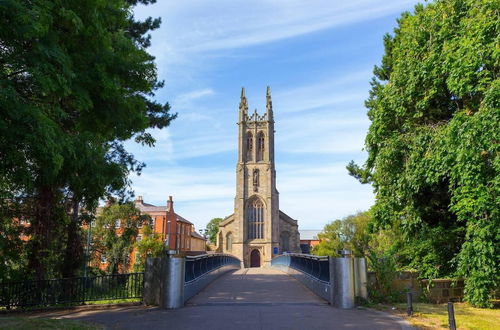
255,258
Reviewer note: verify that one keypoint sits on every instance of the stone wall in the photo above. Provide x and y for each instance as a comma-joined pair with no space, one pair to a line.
436,291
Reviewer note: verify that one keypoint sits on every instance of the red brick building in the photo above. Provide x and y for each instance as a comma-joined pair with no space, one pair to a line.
177,232
308,239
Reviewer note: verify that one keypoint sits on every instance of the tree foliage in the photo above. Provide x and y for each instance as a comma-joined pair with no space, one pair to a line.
349,233
433,143
151,245
76,82
115,233
212,230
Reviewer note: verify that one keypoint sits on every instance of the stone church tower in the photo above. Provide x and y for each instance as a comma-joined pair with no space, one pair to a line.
257,231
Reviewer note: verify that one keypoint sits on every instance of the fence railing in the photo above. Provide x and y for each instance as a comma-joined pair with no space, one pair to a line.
76,290
315,266
197,266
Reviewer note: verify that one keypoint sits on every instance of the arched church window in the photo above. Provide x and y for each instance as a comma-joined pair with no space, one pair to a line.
229,242
260,146
285,241
255,219
249,146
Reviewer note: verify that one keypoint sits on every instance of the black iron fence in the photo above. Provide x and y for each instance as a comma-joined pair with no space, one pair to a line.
317,267
199,265
76,290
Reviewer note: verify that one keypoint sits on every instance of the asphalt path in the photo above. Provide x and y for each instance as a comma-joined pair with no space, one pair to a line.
251,298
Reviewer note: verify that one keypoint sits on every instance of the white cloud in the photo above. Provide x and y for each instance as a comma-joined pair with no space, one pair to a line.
193,32
231,24
323,121
185,100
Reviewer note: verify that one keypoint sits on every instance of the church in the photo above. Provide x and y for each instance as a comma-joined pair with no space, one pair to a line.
258,230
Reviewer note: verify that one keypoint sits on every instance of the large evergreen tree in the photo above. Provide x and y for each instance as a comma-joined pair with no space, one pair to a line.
434,140
75,83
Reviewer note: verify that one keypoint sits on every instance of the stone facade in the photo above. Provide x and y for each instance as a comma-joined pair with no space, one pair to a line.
257,230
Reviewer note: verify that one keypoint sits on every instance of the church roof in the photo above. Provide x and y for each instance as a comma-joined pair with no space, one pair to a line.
226,220
287,218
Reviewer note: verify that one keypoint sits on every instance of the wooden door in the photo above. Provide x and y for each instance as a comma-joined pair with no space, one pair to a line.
255,258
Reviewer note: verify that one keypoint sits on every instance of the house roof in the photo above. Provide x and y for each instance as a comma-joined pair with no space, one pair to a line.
144,207
181,219
195,234
309,234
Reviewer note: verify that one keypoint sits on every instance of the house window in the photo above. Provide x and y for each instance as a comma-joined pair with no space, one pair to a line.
103,258
255,219
118,223
139,238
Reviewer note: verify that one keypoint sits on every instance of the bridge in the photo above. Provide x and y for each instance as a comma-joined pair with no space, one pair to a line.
213,292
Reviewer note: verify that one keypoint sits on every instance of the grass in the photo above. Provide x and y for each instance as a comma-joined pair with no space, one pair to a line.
114,301
27,323
435,316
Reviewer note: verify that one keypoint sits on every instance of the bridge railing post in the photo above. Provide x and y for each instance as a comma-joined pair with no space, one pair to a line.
172,281
152,281
360,278
342,280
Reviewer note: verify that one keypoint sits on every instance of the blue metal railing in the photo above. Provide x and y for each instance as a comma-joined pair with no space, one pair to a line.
197,266
315,266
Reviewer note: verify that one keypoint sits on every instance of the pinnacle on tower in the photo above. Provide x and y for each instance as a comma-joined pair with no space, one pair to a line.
269,104
243,105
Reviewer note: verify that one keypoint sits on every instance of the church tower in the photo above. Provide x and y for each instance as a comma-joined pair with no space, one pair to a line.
257,231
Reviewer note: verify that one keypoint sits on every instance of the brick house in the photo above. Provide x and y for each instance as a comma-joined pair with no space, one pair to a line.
176,232
308,239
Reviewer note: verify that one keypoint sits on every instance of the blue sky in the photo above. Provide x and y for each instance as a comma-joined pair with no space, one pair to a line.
318,58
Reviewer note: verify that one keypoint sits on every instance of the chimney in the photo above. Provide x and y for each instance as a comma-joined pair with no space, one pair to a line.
170,204
139,199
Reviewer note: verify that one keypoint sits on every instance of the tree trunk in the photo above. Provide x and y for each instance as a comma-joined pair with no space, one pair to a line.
74,249
41,232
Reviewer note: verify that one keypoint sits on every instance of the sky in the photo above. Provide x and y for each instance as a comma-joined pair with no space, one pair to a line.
317,56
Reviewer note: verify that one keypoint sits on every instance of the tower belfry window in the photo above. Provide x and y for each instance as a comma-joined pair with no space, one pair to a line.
255,219
260,147
249,146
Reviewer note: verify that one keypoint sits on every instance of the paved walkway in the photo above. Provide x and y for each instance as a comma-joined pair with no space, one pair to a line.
252,298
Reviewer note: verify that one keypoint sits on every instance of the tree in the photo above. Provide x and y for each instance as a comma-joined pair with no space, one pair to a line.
115,233
212,230
151,245
350,233
75,83
433,143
